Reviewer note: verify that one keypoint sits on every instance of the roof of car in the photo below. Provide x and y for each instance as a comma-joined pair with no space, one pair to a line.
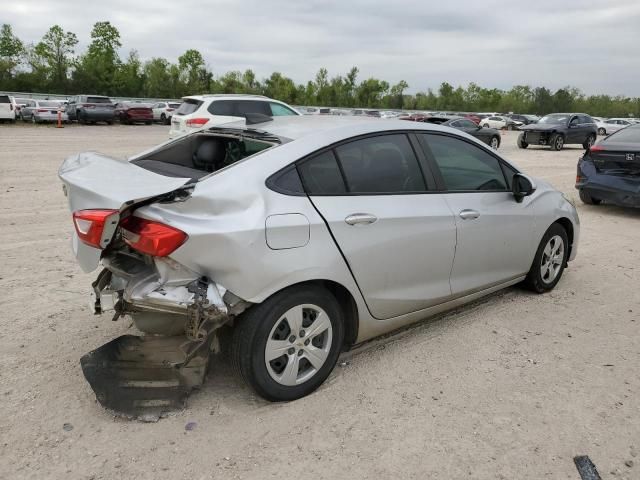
296,127
228,96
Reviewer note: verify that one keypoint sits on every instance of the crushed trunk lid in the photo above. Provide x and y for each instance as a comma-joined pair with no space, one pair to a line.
95,181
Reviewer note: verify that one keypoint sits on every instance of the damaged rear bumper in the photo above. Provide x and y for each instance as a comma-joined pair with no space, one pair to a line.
179,310
622,190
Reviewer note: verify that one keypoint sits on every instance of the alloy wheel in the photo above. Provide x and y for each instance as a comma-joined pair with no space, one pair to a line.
552,258
298,344
495,143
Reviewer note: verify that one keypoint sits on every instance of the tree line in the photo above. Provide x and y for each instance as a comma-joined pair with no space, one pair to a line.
54,66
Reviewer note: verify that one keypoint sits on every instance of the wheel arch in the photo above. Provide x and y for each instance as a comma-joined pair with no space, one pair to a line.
346,302
565,223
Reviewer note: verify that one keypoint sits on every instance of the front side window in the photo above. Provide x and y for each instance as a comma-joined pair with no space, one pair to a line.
465,167
465,124
278,110
382,164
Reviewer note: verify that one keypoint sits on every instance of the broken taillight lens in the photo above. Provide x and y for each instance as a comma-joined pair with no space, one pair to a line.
196,122
90,226
152,238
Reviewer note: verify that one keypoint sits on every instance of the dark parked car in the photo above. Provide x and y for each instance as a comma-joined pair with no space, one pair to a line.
131,112
90,109
559,129
490,136
610,170
524,119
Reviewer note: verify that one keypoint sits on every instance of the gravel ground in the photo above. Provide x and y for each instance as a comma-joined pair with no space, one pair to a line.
512,387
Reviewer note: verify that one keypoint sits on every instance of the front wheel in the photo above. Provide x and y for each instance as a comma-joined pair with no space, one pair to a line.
495,142
285,347
588,143
521,142
550,260
486,125
163,119
557,142
602,131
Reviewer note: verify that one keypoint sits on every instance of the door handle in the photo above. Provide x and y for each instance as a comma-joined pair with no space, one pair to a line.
360,219
467,214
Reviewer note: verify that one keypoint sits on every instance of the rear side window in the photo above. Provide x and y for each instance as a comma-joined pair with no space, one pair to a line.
382,164
463,166
4,99
188,107
251,106
321,175
278,110
98,100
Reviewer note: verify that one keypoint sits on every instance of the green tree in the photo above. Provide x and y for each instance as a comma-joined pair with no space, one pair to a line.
97,70
130,78
56,50
194,74
11,50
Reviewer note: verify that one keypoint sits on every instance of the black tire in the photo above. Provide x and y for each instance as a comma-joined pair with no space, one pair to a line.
81,118
109,122
586,197
148,123
494,142
535,280
510,127
591,139
602,131
252,331
521,142
557,142
486,125
163,119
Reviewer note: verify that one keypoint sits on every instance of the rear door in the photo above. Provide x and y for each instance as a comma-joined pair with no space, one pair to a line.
494,232
395,231
6,108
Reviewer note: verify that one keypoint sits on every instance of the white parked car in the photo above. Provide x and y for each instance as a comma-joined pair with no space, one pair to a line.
500,122
613,125
7,111
163,111
198,111
40,111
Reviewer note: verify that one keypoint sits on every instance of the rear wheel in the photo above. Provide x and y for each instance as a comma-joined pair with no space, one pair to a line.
586,197
486,125
288,345
163,118
588,143
521,142
550,260
557,142
495,142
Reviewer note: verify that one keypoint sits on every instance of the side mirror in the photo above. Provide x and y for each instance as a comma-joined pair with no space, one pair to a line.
522,186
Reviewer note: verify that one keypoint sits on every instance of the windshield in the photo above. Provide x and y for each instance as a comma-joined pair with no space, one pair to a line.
48,104
554,119
189,106
98,100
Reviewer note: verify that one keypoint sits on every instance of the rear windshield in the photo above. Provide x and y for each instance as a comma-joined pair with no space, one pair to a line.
4,99
98,100
48,104
173,105
188,106
630,134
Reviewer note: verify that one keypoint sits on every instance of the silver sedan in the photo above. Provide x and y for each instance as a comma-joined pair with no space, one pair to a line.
285,241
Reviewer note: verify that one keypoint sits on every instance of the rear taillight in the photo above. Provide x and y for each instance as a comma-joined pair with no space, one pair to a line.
90,226
42,110
196,122
170,109
88,105
596,148
152,238
11,106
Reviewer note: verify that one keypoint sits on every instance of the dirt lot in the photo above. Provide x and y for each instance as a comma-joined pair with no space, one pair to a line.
509,388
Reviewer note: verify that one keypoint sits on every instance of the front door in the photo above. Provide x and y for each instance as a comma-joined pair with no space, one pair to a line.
494,232
397,236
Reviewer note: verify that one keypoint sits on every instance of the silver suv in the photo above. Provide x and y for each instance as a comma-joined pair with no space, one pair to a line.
90,109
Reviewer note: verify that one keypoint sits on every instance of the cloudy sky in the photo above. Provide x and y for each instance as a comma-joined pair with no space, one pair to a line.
591,44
